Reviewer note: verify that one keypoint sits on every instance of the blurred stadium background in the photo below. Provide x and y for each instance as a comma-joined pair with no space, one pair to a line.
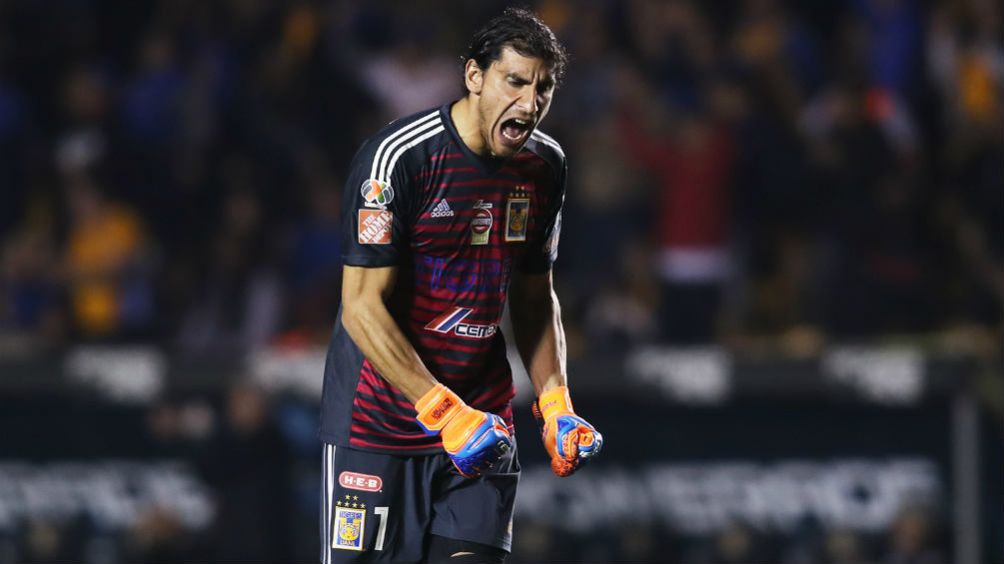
781,272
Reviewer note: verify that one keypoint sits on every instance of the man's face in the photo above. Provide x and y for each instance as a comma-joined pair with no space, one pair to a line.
515,94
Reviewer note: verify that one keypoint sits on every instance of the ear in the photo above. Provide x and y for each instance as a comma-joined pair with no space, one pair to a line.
474,77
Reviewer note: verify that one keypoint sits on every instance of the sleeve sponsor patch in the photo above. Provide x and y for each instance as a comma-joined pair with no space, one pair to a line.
375,227
377,194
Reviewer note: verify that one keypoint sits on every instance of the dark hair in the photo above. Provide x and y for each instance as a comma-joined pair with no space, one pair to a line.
525,33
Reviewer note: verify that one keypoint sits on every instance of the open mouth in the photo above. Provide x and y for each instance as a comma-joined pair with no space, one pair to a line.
515,131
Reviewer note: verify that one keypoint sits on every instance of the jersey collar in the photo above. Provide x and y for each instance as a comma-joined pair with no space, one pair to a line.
487,165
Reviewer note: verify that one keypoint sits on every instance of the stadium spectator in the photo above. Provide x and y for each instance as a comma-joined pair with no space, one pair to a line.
912,538
158,535
105,264
736,544
30,300
14,127
314,264
691,159
421,78
247,464
82,140
240,297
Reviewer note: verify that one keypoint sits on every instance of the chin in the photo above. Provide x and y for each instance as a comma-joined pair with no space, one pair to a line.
506,152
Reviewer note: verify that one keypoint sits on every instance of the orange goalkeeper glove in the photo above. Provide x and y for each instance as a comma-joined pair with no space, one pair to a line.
475,440
569,439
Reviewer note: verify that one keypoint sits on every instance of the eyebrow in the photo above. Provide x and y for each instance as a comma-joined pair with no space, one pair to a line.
544,83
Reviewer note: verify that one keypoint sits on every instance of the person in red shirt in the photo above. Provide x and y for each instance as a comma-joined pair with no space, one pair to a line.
692,163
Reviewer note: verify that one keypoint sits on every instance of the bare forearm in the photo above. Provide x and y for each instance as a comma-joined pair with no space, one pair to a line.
540,339
380,339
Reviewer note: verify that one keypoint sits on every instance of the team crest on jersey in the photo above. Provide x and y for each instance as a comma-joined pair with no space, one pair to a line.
376,193
517,215
350,525
481,227
375,227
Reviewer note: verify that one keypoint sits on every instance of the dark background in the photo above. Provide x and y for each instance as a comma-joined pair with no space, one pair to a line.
767,182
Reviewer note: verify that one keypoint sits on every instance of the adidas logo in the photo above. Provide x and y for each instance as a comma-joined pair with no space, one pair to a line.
442,209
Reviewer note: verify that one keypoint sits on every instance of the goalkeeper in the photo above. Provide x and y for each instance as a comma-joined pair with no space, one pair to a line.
446,215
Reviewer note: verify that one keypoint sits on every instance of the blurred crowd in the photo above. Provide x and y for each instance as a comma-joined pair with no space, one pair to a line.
760,173
770,175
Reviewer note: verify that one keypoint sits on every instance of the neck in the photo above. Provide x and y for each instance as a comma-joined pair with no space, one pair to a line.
465,118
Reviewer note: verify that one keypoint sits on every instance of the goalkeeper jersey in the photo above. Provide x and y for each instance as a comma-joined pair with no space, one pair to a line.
455,224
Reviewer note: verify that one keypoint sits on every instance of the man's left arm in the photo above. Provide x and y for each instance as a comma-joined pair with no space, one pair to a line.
540,338
536,319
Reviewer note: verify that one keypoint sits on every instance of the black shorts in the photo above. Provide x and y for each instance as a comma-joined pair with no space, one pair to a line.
383,507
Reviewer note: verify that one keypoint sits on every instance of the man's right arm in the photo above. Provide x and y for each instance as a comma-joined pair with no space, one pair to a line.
474,440
369,323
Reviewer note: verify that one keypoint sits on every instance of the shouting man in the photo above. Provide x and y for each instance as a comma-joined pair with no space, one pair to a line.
448,213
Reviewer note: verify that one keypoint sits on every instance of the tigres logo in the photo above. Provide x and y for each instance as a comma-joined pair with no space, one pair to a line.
349,532
518,221
350,524
516,214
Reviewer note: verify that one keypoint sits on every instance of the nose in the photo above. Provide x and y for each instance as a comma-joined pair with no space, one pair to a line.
527,101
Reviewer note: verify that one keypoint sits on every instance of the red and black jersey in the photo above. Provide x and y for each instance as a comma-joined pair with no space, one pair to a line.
455,225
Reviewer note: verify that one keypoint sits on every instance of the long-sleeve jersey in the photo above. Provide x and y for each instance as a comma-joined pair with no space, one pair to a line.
455,225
